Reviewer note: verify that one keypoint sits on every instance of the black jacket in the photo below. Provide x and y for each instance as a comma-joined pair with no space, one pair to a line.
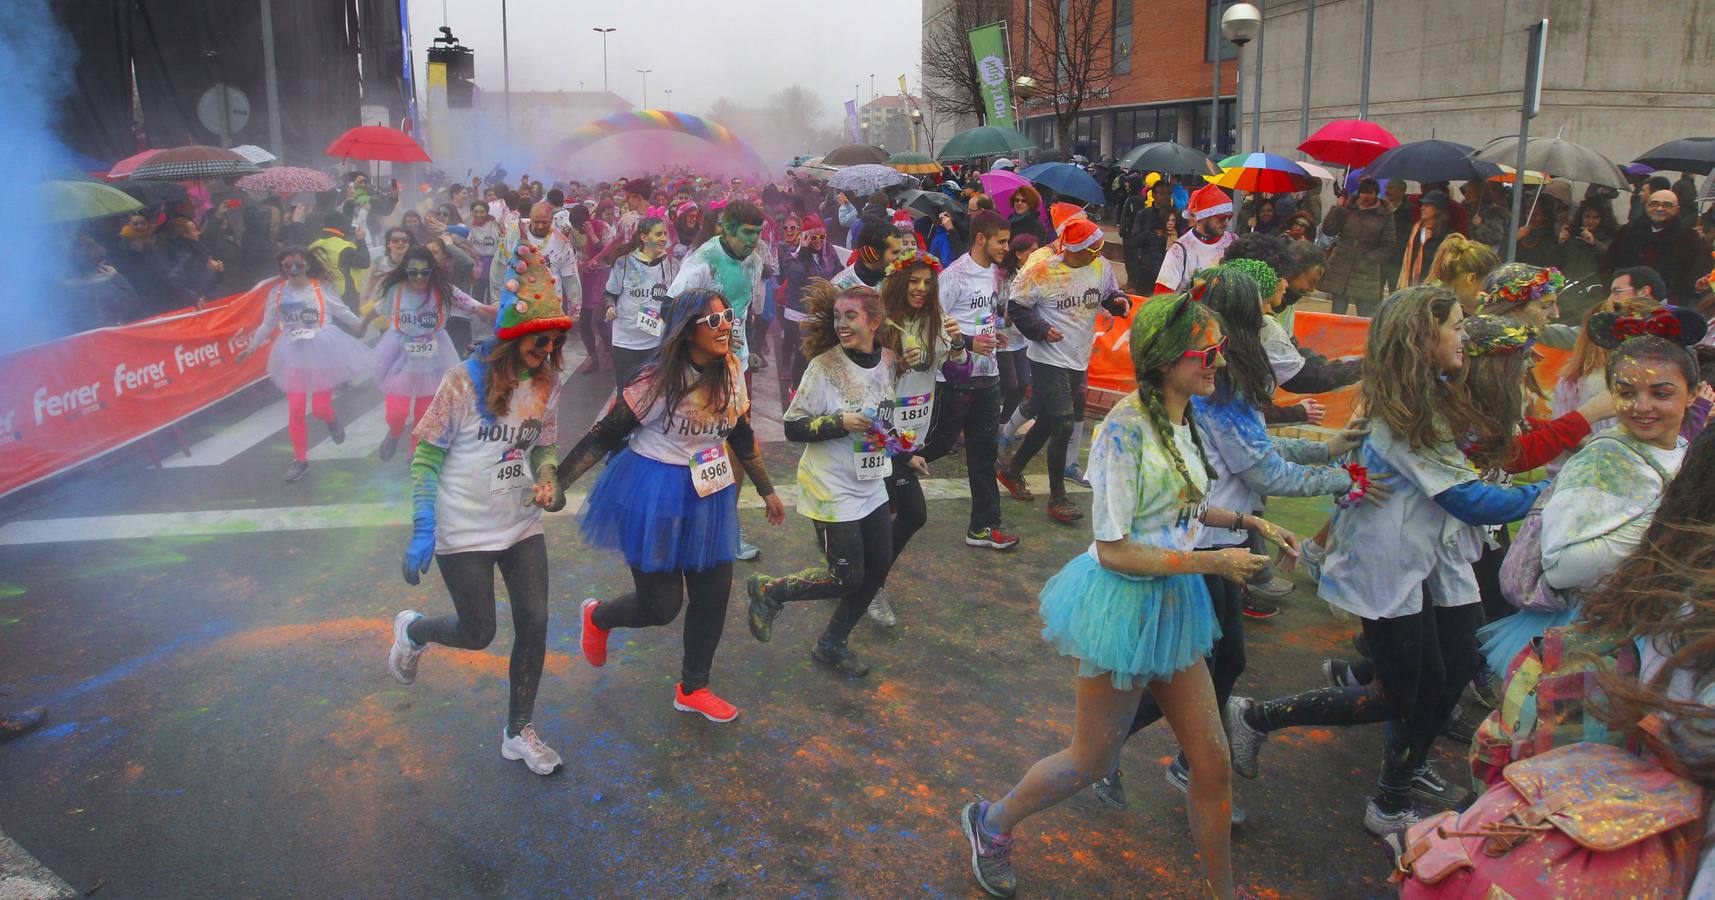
1675,252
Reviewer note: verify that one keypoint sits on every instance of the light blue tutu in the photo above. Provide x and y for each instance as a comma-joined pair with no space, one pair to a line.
1127,627
649,512
1503,640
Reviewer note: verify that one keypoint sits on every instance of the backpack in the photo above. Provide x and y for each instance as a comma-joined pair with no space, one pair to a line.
1522,582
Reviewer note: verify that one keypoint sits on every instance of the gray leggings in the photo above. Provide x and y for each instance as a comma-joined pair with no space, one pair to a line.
470,580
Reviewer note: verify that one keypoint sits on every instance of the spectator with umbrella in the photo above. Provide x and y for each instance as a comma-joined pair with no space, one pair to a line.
1364,240
138,259
97,295
1583,240
1026,215
1434,218
1663,242
1153,226
191,269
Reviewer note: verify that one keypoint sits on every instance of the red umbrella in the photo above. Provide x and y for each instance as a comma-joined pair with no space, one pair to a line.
124,167
1349,142
377,142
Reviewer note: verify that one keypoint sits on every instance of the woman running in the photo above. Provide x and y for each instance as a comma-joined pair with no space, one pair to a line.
1133,609
483,470
844,412
929,343
667,501
636,294
310,359
813,258
397,241
415,351
1404,568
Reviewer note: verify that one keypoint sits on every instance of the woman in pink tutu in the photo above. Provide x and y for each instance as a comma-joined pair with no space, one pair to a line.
415,350
310,359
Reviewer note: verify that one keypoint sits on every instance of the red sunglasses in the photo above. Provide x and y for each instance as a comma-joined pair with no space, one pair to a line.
1209,355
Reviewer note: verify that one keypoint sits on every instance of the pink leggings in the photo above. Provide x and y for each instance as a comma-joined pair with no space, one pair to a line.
320,405
399,407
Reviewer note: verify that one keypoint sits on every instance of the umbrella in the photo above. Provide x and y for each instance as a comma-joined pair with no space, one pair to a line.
1684,155
124,167
1001,184
1349,142
1636,169
1508,175
854,155
192,162
985,140
377,142
914,163
928,203
287,180
1317,171
74,201
255,154
1431,160
1262,173
1067,179
1168,158
865,178
155,193
1553,156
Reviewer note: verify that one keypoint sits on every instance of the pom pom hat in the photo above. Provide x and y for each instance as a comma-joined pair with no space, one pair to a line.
1209,201
1079,234
530,301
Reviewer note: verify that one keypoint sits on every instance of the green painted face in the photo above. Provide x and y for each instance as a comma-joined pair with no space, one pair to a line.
741,239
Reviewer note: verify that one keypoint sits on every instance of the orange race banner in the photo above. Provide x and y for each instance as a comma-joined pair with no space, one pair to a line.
1330,335
71,400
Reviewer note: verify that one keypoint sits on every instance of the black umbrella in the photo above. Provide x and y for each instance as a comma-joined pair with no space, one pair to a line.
1684,155
928,203
855,155
1431,160
1168,158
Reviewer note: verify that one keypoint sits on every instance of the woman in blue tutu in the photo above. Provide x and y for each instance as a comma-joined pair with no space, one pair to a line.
1134,610
667,500
415,298
310,358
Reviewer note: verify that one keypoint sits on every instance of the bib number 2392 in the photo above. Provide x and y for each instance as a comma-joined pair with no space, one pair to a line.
711,471
510,475
420,346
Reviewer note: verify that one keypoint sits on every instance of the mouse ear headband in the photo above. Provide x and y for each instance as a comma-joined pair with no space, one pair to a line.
1679,325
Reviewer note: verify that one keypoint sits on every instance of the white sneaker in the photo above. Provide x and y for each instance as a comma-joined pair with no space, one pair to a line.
528,747
402,659
882,612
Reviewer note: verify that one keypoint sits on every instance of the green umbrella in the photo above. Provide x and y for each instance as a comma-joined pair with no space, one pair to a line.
74,201
985,140
914,163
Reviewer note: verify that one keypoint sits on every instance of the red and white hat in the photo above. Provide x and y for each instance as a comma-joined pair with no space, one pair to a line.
1080,233
1209,201
902,221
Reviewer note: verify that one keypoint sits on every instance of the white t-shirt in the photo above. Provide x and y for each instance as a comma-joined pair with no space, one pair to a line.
829,489
1067,299
415,314
1381,558
973,295
711,267
485,238
1188,254
1603,502
692,429
1283,357
641,289
1139,494
915,405
483,502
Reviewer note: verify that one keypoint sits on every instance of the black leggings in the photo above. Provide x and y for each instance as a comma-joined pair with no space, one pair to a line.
1059,405
1226,658
1423,661
470,580
657,601
1014,381
791,348
910,510
1488,571
858,556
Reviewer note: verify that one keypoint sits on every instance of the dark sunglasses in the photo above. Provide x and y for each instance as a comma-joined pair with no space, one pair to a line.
714,320
416,273
1210,355
544,342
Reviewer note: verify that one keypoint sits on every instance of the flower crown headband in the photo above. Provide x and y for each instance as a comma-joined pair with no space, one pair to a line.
911,258
1497,334
1524,290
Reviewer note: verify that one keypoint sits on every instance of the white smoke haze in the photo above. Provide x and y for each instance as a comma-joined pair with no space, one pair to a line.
37,59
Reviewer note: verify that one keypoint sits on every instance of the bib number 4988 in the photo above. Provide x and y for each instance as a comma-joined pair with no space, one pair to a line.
509,475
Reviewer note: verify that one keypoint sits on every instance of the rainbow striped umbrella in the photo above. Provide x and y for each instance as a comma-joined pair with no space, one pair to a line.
1261,172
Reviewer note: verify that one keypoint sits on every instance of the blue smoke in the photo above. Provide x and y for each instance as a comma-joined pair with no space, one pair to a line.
38,61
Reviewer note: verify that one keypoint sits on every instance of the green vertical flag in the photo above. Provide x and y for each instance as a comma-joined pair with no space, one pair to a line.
988,49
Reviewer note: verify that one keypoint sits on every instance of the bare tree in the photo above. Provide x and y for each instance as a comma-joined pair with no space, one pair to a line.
950,82
1069,46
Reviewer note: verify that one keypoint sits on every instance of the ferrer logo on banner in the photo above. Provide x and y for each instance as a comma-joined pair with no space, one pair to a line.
988,49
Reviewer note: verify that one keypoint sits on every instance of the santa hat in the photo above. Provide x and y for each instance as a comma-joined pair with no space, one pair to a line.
530,301
1209,201
812,224
1078,234
1061,213
902,221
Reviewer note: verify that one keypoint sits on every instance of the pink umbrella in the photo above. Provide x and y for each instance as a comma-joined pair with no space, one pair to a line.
286,180
124,167
1001,185
1349,142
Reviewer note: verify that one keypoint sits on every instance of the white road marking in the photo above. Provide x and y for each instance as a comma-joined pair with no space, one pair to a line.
343,515
232,440
23,876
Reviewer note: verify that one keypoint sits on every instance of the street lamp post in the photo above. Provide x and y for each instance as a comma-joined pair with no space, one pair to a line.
1309,52
604,32
1364,82
669,98
645,74
1241,23
506,71
1256,79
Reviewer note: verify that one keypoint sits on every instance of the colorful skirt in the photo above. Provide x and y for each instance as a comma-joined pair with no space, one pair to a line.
1127,627
1504,638
648,512
316,364
401,374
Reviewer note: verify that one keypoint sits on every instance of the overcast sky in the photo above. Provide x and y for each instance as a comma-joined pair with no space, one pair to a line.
700,49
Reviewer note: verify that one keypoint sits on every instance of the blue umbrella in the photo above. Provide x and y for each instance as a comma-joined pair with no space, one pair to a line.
1068,180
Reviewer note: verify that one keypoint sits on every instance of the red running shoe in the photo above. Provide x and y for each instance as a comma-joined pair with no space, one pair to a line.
1014,485
595,639
703,700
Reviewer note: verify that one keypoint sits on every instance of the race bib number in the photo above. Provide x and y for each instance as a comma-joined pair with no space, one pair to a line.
303,334
649,321
871,460
988,323
510,475
711,471
912,413
420,347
